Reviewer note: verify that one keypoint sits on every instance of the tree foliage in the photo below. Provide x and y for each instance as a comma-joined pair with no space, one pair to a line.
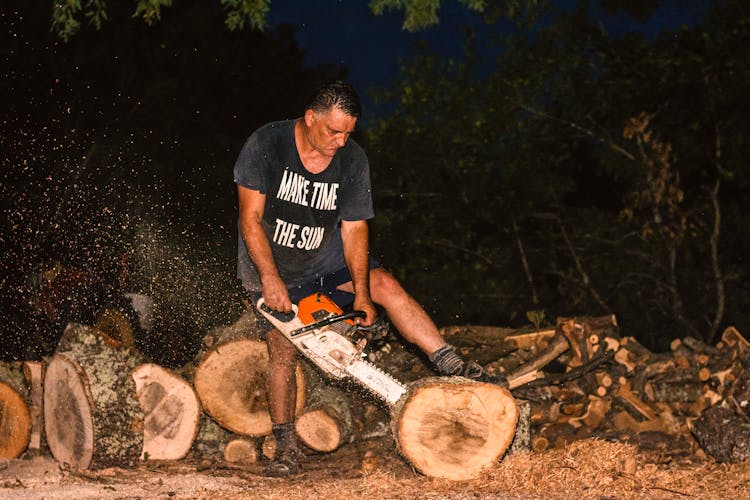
69,15
588,174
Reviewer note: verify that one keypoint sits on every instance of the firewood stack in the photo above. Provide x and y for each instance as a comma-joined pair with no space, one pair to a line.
599,384
580,378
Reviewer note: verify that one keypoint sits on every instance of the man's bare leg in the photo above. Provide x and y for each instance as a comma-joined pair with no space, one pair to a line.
415,325
282,381
282,399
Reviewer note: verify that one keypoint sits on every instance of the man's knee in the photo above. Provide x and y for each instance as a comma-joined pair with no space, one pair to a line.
384,286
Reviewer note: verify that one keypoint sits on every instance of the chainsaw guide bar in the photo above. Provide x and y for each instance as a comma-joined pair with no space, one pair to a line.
322,333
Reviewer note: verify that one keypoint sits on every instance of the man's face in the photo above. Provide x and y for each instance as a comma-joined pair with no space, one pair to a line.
329,131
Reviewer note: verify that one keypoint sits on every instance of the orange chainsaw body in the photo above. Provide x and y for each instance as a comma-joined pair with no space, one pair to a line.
314,307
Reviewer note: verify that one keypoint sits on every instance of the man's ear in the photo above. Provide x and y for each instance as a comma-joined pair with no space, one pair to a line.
309,117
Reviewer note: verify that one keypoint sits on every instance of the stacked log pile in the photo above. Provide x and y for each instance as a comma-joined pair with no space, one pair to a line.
99,402
598,384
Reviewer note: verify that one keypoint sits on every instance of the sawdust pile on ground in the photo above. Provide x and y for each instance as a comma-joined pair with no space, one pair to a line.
585,469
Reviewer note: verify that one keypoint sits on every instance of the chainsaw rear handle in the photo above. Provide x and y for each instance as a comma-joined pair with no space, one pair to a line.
281,316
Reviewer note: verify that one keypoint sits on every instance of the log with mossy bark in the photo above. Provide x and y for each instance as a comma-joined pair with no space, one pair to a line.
91,412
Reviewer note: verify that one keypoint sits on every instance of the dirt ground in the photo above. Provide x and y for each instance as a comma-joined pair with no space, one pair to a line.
584,469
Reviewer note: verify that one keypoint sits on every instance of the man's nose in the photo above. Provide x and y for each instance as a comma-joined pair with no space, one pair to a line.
341,140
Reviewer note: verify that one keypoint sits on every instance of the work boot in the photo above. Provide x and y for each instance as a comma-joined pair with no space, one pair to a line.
447,362
285,463
287,457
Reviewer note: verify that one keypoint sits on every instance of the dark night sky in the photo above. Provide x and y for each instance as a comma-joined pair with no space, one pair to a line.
345,32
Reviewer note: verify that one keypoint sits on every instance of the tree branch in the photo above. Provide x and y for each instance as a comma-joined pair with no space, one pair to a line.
525,263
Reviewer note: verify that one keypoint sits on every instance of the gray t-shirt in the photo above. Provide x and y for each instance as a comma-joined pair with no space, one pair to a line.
303,211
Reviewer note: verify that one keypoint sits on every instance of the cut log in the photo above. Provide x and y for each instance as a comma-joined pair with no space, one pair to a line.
33,372
682,390
242,450
454,429
326,422
733,338
231,385
91,413
172,412
595,412
574,332
490,335
116,326
604,379
558,345
624,357
331,418
15,422
626,395
486,343
539,444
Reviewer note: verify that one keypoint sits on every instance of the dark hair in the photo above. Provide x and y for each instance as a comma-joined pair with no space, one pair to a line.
336,95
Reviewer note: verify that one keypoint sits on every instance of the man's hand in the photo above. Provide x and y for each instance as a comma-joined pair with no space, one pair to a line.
366,305
276,294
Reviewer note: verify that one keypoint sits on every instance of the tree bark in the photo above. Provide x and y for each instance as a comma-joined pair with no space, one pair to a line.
92,415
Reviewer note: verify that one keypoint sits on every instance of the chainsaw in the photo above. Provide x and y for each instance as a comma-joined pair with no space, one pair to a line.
332,341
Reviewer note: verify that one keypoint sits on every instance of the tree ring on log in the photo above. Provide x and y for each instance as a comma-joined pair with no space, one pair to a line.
67,402
15,422
231,384
454,428
171,410
92,416
319,431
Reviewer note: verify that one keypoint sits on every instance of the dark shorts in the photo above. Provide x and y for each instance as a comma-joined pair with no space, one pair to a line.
327,284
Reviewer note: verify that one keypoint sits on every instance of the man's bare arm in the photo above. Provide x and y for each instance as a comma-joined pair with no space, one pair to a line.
354,235
251,207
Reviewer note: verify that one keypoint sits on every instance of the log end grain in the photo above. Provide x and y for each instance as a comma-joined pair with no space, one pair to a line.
231,384
242,450
68,422
319,431
453,428
15,422
171,410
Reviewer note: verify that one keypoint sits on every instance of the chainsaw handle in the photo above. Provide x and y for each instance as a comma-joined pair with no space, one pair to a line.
351,315
328,321
281,316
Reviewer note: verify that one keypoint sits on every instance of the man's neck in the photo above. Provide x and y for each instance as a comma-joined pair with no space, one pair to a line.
313,161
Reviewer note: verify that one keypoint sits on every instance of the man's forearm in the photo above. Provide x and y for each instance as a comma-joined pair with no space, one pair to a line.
252,205
357,255
259,249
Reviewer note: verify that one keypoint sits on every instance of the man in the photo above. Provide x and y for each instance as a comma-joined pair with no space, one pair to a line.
304,201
